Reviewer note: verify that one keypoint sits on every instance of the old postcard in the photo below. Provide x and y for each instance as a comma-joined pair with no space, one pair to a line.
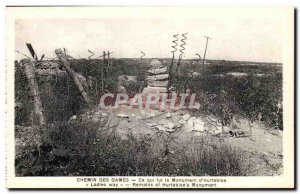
150,97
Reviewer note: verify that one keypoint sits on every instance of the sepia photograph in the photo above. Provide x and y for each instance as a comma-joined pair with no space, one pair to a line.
150,97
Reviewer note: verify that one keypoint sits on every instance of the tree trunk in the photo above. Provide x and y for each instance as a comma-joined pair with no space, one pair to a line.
38,108
62,57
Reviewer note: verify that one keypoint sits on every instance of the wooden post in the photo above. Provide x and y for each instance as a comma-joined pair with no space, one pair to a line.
170,79
62,57
32,52
108,59
34,90
104,55
207,38
102,72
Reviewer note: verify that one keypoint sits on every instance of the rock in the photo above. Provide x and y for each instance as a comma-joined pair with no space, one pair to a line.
162,122
189,125
196,105
168,115
237,74
188,91
150,124
186,117
172,89
160,128
195,74
216,130
125,79
192,123
122,115
170,125
157,71
98,113
150,89
158,77
199,125
199,134
74,117
226,129
182,122
158,83
103,114
123,103
155,64
252,138
170,130
121,89
152,114
131,78
211,124
181,112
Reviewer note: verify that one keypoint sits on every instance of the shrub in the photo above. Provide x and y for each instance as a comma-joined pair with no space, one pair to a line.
248,96
90,149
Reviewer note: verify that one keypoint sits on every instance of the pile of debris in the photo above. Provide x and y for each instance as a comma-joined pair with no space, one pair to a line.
157,79
174,122
157,83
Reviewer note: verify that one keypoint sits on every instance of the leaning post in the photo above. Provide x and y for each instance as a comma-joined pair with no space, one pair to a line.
34,90
62,57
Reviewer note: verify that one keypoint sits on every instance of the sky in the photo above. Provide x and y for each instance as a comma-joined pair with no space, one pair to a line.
250,38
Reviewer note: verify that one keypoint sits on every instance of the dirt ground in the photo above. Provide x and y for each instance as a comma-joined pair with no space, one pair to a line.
262,151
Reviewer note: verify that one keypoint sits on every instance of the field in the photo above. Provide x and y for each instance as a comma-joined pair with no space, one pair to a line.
81,139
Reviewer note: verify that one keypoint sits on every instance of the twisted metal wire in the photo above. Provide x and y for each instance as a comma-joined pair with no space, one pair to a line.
182,45
91,53
175,43
143,54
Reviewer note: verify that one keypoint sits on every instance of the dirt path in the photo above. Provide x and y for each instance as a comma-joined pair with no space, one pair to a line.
263,148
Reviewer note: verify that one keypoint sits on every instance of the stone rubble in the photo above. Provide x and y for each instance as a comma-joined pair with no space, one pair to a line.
168,115
158,81
157,78
94,116
160,128
122,115
197,125
186,117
